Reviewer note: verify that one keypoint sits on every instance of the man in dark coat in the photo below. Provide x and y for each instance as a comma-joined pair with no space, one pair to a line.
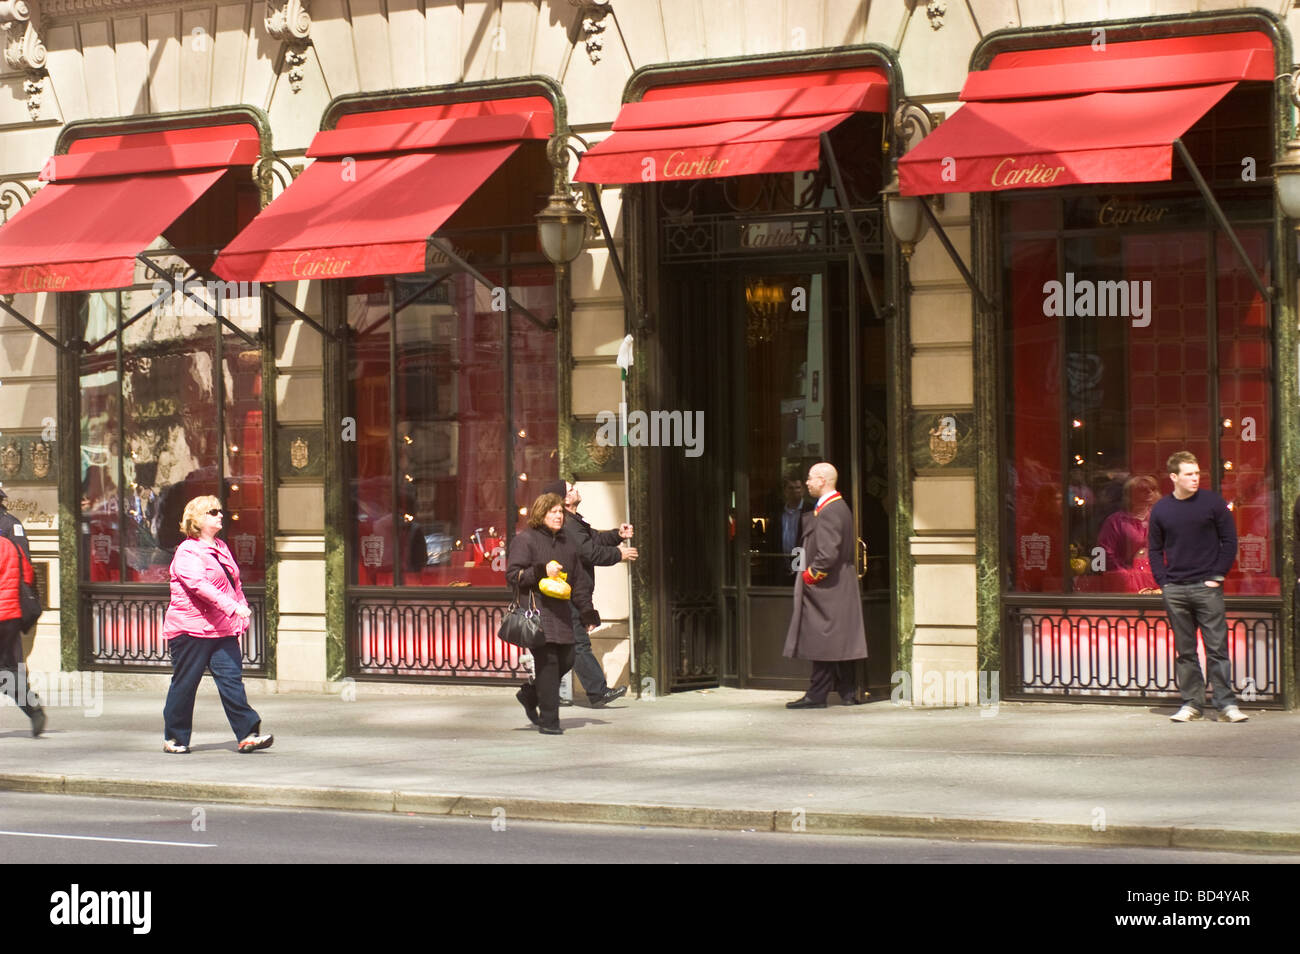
785,529
826,626
597,548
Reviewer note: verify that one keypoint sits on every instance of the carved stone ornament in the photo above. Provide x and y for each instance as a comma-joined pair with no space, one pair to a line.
11,459
590,26
24,49
935,10
298,457
41,460
290,22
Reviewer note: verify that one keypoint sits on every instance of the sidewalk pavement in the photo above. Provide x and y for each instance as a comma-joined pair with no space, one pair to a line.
722,758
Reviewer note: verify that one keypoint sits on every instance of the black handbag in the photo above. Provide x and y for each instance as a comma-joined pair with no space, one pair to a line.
523,627
29,602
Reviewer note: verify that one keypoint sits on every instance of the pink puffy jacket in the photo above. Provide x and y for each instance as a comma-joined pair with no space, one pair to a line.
203,600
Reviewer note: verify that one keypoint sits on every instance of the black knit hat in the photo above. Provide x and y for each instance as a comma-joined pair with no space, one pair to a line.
557,487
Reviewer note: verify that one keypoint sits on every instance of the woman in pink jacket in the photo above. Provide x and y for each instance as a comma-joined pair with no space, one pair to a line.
204,621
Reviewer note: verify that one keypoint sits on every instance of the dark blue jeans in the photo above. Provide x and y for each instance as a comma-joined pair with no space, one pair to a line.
191,655
585,663
1190,605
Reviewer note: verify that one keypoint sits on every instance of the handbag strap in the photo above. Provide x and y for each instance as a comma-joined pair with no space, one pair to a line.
23,559
532,600
224,570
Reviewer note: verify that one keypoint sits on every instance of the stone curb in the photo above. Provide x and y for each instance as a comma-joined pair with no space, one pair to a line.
664,816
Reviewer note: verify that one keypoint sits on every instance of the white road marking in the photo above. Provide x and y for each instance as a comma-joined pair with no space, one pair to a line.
130,841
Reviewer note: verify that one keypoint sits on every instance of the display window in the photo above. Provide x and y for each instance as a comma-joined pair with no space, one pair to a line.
171,410
444,467
1133,329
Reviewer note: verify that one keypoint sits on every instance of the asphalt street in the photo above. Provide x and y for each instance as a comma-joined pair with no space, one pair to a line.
57,829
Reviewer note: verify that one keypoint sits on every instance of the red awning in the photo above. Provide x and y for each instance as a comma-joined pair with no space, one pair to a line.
380,185
732,128
1095,116
108,199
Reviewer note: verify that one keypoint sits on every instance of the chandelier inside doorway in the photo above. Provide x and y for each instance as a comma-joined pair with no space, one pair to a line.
765,305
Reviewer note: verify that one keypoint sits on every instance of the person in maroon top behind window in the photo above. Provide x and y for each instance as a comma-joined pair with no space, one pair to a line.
207,615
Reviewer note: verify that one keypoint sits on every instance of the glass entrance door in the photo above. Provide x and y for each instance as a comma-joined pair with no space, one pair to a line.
780,429
788,363
810,388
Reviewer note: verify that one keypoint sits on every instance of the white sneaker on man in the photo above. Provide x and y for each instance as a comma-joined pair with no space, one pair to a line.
1233,714
1188,713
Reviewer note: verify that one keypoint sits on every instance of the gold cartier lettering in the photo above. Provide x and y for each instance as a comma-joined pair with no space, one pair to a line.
304,266
677,166
32,280
1007,175
1117,213
756,236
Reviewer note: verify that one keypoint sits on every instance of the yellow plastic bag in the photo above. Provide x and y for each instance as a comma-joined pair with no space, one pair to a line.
555,586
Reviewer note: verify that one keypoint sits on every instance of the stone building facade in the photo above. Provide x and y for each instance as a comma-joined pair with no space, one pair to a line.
905,371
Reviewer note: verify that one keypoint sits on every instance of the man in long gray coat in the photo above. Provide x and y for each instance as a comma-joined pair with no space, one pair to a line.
827,623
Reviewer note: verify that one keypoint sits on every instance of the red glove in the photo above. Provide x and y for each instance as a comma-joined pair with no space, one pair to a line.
812,577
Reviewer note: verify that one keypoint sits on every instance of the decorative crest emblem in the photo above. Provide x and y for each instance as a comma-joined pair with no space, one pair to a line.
943,440
41,460
11,459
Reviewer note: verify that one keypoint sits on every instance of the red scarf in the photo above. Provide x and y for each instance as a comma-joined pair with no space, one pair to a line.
831,499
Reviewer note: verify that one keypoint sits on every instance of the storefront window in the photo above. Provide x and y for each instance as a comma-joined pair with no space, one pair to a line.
157,394
1125,345
441,467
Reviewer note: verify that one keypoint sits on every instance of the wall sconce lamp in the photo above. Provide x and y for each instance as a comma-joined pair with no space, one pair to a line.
563,226
1286,179
561,229
904,217
1286,171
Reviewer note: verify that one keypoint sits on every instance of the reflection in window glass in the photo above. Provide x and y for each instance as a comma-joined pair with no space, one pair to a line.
1098,401
169,403
432,499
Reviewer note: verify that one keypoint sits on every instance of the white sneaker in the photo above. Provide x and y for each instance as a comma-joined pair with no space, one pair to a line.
1188,713
175,748
252,742
1233,714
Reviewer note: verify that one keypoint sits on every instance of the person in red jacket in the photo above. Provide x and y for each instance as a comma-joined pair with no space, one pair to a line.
15,567
206,617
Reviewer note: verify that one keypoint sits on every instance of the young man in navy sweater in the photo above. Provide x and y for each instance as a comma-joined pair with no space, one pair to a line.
1193,544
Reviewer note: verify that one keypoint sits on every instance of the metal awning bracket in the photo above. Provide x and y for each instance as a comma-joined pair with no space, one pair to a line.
181,284
855,234
445,248
299,313
1217,211
952,253
24,320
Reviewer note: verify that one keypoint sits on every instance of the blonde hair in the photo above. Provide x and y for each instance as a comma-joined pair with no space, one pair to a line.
195,509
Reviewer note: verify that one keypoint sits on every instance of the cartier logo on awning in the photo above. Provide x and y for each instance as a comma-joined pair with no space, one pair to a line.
680,165
1008,175
31,279
318,265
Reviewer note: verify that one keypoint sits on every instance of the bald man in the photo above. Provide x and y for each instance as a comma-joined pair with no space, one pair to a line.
827,623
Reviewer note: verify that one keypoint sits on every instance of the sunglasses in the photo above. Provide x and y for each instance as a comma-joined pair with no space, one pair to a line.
215,513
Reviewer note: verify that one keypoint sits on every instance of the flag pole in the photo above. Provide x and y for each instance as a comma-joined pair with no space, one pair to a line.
624,363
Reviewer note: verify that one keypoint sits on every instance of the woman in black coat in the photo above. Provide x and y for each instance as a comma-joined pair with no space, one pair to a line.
545,550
